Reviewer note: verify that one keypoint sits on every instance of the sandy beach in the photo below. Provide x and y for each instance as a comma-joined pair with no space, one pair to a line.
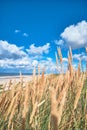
6,79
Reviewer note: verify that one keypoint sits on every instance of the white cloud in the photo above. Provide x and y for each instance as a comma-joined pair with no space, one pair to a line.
17,31
79,56
10,65
59,42
35,63
12,56
48,65
25,34
49,59
65,59
38,50
84,57
15,58
76,35
10,51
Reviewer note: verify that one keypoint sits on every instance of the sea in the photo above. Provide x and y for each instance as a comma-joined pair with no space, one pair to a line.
13,74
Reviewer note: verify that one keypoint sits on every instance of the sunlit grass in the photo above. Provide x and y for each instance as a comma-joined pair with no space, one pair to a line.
53,102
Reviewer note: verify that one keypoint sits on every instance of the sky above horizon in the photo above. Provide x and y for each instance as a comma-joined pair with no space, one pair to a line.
31,31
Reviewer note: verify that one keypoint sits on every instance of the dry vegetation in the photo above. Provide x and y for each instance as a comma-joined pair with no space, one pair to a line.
54,102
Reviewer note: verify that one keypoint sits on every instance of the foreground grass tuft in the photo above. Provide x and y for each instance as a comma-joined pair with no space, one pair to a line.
53,102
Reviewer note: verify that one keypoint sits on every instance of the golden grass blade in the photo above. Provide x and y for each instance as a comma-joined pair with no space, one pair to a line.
81,82
60,54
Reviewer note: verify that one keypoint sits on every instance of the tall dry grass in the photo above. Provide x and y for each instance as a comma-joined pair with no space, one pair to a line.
53,102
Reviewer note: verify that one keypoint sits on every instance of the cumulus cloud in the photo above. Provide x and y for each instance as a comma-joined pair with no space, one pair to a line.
12,57
35,63
10,51
76,35
80,56
17,63
48,65
59,42
65,59
15,58
38,50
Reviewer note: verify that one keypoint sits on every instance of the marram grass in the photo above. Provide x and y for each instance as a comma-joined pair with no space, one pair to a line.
53,102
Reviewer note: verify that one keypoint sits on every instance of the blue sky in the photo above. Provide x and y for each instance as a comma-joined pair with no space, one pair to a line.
31,31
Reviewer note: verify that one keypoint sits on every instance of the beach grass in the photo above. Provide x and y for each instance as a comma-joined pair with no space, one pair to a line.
52,102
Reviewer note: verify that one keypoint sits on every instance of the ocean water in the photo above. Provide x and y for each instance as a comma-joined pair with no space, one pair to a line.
13,74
